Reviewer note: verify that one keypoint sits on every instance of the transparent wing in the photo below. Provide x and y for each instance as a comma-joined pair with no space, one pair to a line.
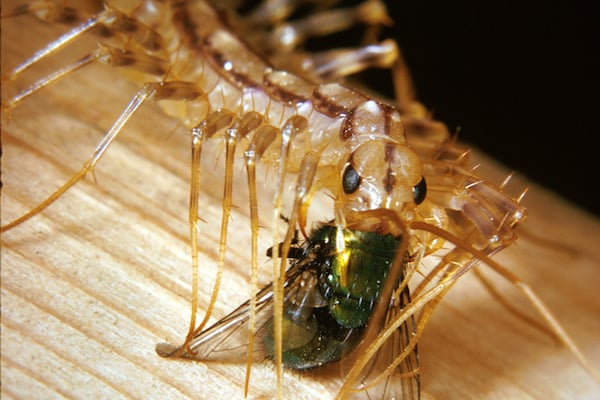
227,340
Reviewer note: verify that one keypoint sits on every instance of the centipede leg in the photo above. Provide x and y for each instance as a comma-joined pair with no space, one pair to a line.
251,159
144,57
306,176
156,91
279,260
404,90
424,307
148,91
46,8
288,36
293,126
261,140
544,311
51,12
213,124
110,18
527,291
193,218
231,142
104,54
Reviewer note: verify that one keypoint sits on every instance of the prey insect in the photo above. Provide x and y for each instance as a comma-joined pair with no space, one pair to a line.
402,191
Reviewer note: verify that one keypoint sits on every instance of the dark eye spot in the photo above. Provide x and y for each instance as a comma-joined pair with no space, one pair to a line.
420,191
350,179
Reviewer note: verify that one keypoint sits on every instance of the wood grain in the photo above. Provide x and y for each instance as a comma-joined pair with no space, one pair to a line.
94,282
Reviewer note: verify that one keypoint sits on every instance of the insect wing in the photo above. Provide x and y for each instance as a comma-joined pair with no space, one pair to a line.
227,339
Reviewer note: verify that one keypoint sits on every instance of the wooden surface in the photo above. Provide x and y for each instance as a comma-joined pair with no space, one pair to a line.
94,282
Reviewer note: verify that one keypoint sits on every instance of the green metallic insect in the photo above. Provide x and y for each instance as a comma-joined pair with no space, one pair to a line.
329,297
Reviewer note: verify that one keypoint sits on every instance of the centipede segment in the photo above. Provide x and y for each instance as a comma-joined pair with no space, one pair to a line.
402,190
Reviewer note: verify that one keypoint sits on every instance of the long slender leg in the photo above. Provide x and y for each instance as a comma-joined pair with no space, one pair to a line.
59,43
251,159
213,124
277,259
231,142
263,137
175,90
193,217
529,293
109,17
452,266
288,36
105,54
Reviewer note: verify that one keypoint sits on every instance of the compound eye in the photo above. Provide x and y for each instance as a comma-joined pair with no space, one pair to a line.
420,191
350,179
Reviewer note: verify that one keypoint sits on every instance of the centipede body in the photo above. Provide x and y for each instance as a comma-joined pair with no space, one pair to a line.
133,296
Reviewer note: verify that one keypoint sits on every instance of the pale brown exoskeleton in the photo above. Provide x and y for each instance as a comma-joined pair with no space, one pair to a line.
367,183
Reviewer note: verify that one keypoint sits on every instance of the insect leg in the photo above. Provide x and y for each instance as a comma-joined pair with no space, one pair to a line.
288,36
529,293
304,182
235,129
295,125
105,54
264,136
251,159
110,18
213,124
57,44
171,90
338,63
49,11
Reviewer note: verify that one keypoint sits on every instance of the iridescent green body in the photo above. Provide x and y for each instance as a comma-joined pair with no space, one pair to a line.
348,277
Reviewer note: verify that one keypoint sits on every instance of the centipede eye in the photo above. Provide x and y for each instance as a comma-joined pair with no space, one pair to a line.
350,179
420,191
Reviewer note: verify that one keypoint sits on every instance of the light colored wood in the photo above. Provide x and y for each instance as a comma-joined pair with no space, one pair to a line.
94,282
